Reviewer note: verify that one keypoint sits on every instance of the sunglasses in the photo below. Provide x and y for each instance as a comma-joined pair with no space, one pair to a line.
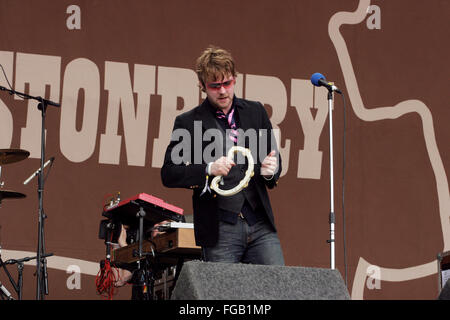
218,85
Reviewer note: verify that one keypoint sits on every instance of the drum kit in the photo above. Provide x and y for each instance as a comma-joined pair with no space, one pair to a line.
8,156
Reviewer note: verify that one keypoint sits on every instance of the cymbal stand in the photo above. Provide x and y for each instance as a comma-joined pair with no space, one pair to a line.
41,262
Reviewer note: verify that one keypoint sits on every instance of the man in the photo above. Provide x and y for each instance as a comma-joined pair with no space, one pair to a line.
237,228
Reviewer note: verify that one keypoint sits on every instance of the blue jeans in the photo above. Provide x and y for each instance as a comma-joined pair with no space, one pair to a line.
256,244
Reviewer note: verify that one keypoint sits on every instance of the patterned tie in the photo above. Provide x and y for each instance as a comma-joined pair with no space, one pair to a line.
231,123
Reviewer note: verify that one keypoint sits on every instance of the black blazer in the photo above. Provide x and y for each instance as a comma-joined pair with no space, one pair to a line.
192,175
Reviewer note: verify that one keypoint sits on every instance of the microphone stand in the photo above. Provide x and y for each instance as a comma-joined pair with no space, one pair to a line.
319,80
41,261
332,217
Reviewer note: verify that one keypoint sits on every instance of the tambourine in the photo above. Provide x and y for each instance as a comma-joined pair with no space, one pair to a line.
244,182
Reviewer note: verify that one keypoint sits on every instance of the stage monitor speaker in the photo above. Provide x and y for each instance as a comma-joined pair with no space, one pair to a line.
228,281
445,292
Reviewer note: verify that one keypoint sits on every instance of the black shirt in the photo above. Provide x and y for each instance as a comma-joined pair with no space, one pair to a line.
251,215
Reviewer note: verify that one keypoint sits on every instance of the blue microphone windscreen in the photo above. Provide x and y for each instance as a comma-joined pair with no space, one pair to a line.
316,77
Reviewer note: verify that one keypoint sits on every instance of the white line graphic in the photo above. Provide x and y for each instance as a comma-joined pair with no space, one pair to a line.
54,262
391,112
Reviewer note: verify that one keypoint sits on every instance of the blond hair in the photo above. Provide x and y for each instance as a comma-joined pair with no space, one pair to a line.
214,63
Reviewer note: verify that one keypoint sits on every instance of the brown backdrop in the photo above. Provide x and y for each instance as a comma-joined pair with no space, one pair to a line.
396,190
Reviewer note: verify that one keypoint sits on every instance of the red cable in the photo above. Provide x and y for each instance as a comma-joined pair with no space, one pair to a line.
105,281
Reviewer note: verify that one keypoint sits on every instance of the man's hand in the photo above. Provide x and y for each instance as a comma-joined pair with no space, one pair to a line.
269,165
221,166
155,230
122,237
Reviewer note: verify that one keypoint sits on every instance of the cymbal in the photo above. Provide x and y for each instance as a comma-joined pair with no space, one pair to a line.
12,155
7,194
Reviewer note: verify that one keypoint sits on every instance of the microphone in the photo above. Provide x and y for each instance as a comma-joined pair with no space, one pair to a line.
47,102
319,80
38,170
53,103
6,292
